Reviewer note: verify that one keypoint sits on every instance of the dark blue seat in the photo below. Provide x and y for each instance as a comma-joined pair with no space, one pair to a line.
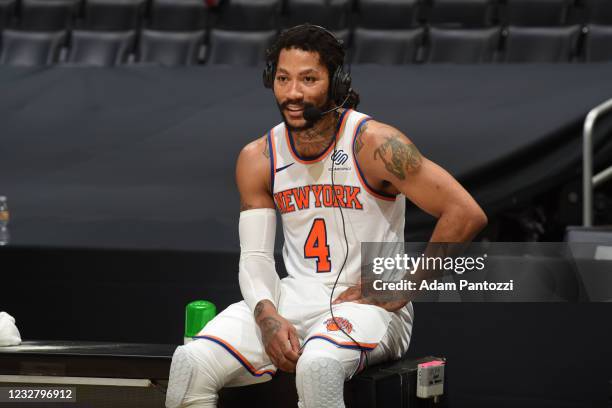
241,48
113,15
536,13
101,48
598,43
31,48
537,44
331,14
170,48
7,12
387,14
598,11
461,13
249,15
468,46
47,15
178,15
386,47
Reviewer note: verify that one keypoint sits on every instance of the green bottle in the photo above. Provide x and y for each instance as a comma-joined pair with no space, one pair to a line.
197,314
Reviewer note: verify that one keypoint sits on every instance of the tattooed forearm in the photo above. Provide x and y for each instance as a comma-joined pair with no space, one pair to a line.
259,307
399,158
358,139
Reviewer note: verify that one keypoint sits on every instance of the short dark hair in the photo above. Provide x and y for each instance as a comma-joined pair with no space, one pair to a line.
309,37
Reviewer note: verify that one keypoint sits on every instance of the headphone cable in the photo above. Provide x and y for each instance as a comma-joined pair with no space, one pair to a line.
331,296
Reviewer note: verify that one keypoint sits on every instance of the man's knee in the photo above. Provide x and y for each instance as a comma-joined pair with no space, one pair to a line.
320,369
198,371
320,374
320,350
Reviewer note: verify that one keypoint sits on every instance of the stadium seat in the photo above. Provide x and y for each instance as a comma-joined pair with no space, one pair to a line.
461,13
598,44
47,15
598,11
244,48
331,14
536,13
467,46
31,48
537,44
249,15
113,15
170,48
387,14
101,48
178,15
7,12
386,47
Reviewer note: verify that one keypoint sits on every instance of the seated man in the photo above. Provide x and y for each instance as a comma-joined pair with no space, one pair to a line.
338,178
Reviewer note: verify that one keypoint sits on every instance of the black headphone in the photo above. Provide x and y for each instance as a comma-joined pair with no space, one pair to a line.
340,83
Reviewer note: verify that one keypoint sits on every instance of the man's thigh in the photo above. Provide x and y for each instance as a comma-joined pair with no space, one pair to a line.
352,325
382,335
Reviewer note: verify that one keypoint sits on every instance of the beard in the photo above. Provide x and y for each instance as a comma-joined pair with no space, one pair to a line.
304,105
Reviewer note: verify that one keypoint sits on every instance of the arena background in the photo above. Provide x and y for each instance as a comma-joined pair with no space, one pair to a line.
117,153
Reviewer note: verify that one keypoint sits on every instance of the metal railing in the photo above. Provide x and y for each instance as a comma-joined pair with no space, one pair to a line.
589,182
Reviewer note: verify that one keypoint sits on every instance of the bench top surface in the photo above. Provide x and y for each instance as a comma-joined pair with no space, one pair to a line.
91,348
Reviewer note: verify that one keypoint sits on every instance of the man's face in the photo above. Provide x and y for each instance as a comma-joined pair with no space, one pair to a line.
301,81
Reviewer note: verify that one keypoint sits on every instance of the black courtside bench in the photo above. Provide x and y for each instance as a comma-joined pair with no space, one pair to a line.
135,375
102,374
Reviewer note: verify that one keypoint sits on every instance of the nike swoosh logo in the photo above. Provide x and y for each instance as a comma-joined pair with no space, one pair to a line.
284,167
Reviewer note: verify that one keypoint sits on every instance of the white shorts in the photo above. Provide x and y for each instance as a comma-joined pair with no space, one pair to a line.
305,304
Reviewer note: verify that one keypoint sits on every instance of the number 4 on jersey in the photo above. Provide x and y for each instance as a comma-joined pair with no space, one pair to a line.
316,245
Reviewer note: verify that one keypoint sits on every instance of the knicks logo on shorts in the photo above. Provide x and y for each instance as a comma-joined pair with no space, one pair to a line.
341,321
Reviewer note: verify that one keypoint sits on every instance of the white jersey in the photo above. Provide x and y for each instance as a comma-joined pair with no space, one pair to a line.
312,222
313,252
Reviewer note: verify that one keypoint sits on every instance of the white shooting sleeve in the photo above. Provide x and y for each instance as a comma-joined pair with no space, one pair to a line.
257,272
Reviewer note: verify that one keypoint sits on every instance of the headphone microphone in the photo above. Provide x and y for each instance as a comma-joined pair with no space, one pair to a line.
312,113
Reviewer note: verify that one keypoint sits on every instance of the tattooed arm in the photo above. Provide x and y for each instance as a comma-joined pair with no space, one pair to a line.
393,164
278,336
259,282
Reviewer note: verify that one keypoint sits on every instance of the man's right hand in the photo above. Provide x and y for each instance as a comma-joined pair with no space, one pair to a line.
278,335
